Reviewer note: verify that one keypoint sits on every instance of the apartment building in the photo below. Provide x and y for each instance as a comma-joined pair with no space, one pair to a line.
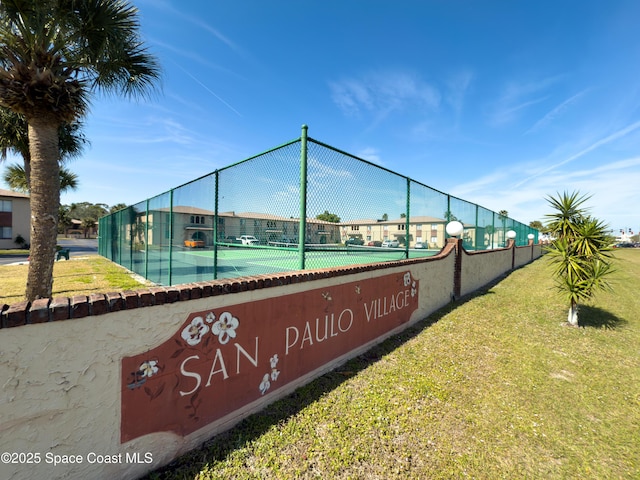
15,217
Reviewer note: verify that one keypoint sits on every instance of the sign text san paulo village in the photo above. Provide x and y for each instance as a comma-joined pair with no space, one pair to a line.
221,360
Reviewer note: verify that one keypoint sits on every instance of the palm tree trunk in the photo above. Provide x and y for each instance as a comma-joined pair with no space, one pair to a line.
45,200
572,318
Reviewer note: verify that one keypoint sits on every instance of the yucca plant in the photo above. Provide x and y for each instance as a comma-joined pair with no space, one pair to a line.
580,251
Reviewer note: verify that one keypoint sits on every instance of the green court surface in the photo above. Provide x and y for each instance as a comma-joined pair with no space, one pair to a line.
315,257
184,265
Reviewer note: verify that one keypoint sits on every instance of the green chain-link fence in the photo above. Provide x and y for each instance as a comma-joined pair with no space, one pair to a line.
303,205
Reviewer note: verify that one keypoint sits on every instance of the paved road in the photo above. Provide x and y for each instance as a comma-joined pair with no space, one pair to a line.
77,248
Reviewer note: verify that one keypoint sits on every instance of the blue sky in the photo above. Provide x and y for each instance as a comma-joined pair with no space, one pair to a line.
500,103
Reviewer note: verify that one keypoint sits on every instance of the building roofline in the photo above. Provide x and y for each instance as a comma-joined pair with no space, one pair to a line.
11,193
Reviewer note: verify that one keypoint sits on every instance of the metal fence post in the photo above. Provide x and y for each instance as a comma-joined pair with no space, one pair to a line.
477,239
215,229
170,233
494,235
146,240
407,220
303,198
120,234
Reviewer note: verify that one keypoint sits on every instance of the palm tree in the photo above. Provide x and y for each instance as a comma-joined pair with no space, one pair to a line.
580,250
14,137
16,178
53,55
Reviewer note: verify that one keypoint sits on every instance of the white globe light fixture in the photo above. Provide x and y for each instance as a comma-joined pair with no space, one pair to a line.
454,229
511,234
531,236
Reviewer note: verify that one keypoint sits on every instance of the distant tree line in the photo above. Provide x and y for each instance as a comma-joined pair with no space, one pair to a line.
87,213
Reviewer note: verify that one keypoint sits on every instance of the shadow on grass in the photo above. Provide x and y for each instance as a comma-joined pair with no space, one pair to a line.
594,317
222,445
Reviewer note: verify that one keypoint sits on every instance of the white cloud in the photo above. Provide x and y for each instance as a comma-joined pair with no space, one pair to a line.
382,93
556,111
613,188
517,97
370,154
593,146
457,87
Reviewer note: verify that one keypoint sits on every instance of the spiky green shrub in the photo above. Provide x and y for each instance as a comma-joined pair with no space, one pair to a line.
580,250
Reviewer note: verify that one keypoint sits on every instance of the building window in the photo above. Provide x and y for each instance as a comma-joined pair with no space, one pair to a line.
5,206
5,233
401,227
355,227
434,226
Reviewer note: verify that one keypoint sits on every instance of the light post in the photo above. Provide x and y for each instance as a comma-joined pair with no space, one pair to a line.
454,229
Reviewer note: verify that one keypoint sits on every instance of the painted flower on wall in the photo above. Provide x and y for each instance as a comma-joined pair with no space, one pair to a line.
149,368
414,290
407,279
274,371
194,332
265,384
146,370
225,327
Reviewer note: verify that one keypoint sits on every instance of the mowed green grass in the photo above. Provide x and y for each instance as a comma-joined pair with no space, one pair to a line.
493,387
84,276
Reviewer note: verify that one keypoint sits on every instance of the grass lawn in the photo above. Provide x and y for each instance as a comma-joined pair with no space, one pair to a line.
93,274
495,387
15,251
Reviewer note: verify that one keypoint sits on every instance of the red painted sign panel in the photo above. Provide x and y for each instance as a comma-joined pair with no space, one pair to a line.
223,359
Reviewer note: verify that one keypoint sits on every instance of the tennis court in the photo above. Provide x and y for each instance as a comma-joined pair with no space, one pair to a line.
198,264
303,192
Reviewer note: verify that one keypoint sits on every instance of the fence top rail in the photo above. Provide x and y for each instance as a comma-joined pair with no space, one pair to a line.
286,144
337,150
342,152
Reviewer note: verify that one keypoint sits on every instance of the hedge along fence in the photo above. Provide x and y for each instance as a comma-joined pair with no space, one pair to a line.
115,385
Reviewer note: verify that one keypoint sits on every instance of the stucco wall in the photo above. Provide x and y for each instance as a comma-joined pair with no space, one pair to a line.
523,255
62,380
481,267
63,383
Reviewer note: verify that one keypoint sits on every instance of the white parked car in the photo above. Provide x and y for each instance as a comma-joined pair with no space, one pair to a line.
248,240
391,243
